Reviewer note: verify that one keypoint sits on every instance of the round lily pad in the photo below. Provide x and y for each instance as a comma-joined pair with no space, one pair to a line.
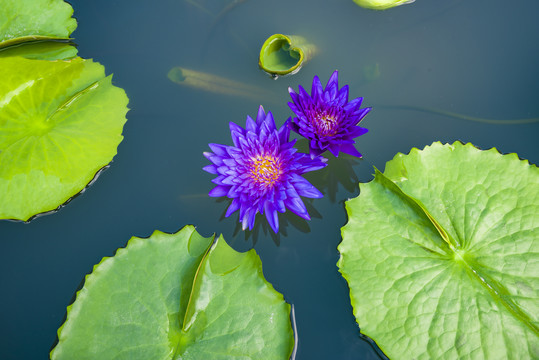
60,123
171,296
441,253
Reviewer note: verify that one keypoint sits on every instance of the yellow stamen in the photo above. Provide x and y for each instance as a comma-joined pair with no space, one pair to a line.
266,170
326,124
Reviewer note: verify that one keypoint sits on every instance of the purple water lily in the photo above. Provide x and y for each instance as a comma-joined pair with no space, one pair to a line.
326,117
262,171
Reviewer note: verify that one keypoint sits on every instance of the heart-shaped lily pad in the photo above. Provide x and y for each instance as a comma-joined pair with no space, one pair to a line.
284,54
60,123
441,253
169,297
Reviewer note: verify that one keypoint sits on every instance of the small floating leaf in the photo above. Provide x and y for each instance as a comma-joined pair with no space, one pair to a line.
284,54
29,20
60,123
169,297
381,4
441,253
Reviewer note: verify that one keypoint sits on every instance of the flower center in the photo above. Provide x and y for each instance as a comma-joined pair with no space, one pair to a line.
326,124
266,170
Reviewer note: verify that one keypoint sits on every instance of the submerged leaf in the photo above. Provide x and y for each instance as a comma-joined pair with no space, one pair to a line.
169,297
217,84
60,123
441,253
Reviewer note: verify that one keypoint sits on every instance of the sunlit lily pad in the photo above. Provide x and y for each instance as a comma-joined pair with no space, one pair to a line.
60,123
169,297
441,253
28,20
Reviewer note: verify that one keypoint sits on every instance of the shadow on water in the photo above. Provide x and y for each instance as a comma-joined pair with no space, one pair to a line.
262,228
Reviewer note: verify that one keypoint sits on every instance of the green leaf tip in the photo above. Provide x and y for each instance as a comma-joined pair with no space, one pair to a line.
224,259
60,124
162,298
440,252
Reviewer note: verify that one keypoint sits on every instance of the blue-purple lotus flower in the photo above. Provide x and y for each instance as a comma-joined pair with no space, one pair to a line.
262,171
326,118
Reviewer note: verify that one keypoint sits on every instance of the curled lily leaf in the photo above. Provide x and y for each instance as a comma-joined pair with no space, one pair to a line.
285,54
382,4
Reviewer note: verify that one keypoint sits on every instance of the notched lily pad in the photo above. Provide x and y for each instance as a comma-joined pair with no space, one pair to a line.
441,253
171,296
60,123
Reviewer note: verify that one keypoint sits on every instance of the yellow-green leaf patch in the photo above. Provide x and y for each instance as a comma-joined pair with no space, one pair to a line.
60,123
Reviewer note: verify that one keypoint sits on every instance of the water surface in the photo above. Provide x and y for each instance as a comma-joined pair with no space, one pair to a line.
459,56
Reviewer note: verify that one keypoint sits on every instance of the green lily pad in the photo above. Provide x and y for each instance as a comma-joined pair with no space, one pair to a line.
441,253
169,297
60,123
284,54
381,4
29,20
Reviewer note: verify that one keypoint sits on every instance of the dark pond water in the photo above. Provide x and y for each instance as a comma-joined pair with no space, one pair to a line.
469,57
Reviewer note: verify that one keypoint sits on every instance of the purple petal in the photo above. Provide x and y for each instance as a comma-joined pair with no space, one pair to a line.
342,96
297,206
315,151
333,80
305,188
250,124
356,103
218,149
214,158
212,169
356,131
350,150
261,116
334,149
316,89
235,205
218,191
271,215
